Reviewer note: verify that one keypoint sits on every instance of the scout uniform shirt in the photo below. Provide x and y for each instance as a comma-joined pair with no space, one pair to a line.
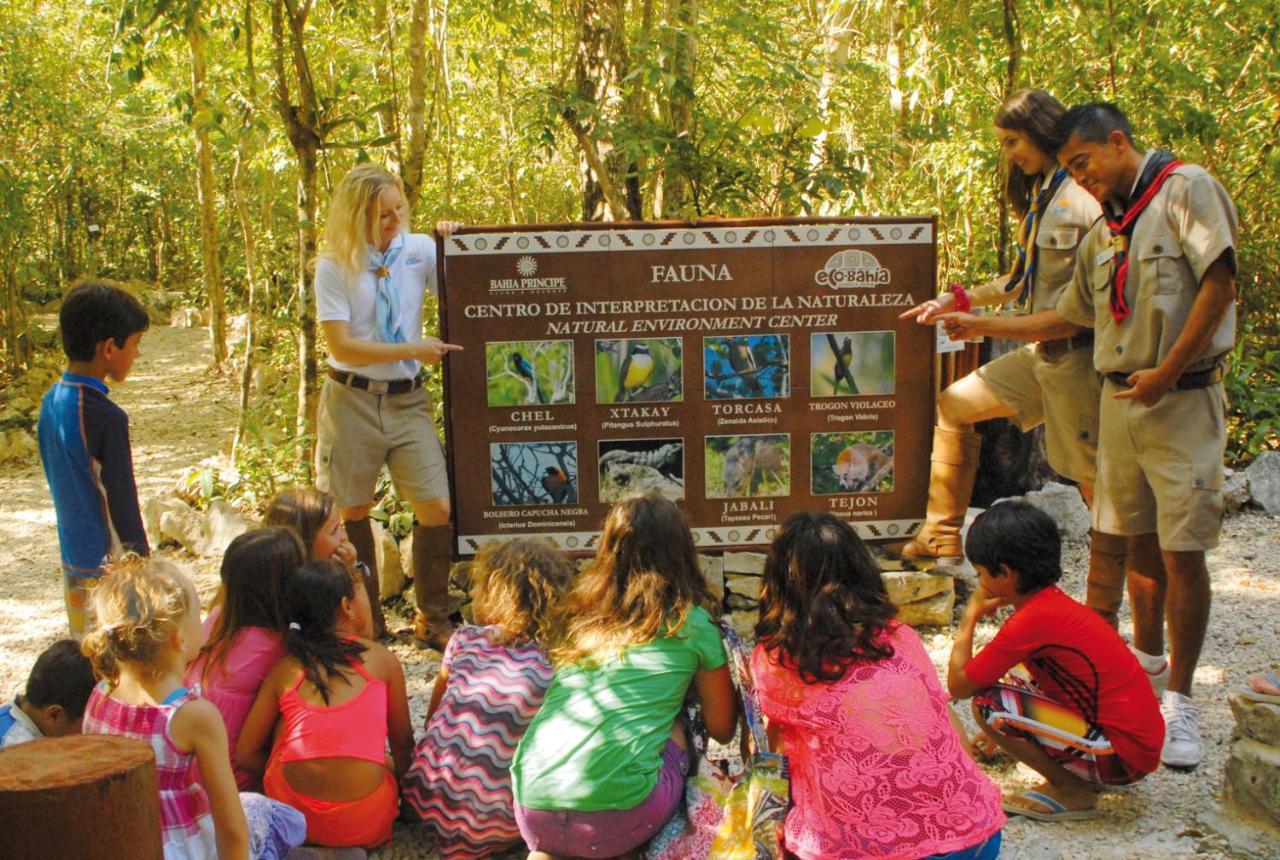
1187,226
1064,224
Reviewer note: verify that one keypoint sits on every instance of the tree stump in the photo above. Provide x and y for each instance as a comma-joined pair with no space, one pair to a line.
80,796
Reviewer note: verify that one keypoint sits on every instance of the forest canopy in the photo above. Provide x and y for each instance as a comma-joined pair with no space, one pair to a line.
188,146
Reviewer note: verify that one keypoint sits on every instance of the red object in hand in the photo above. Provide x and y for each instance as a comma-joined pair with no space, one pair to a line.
963,303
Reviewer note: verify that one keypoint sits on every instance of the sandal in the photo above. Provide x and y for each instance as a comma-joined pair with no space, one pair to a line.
1261,686
1056,811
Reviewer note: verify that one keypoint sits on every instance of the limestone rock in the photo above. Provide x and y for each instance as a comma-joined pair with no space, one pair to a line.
1264,481
184,318
744,562
187,526
908,586
391,576
1250,838
17,446
1235,490
744,622
225,524
1259,721
713,572
745,585
1066,506
736,602
151,513
1253,779
934,611
459,574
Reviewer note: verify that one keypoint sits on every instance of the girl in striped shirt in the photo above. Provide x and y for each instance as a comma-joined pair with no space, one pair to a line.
491,682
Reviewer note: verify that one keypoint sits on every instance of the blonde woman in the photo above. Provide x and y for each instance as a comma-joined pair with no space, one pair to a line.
371,277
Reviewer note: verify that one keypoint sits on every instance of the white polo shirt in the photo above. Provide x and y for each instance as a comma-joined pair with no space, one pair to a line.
350,298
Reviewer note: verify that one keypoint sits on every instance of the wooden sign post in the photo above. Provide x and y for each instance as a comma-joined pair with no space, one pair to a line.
745,369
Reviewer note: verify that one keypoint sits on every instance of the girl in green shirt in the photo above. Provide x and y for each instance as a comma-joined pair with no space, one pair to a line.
602,766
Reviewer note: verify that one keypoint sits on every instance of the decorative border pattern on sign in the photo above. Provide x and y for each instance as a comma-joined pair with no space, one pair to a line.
725,537
655,238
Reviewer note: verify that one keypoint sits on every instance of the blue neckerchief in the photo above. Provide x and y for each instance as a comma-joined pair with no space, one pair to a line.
386,306
1025,269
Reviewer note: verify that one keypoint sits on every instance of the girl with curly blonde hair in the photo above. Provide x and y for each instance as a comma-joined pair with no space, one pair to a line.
149,617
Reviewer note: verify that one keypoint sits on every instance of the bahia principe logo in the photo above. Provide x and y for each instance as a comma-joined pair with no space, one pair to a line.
852,269
526,268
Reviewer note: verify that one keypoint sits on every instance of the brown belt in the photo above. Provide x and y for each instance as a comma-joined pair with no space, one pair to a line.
374,386
1186,382
1052,349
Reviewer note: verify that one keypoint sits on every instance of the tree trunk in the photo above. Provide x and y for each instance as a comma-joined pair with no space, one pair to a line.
837,17
205,194
247,145
610,188
415,151
682,21
384,74
301,122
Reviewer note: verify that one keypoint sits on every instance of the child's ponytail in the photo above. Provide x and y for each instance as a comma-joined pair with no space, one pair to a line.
138,603
314,594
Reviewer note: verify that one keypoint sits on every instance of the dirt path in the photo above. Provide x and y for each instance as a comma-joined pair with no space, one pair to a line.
180,415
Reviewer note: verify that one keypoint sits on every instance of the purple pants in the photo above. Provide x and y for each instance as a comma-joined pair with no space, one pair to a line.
608,832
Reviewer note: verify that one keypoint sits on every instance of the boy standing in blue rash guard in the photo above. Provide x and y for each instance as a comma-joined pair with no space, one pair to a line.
84,440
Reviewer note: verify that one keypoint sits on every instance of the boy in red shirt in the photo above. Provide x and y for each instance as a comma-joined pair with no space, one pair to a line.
1087,717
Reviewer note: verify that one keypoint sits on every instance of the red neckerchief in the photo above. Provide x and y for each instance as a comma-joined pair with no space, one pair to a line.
1158,168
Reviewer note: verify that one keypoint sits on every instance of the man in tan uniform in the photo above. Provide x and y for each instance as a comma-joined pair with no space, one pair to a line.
1156,281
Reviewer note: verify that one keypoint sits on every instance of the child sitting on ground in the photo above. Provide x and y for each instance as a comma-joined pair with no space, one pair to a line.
149,617
602,766
316,519
245,631
1089,718
877,768
491,683
338,697
53,704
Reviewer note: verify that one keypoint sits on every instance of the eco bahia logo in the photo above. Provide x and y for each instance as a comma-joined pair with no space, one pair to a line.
851,269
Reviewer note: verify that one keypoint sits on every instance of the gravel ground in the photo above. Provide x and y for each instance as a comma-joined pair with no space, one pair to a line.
180,414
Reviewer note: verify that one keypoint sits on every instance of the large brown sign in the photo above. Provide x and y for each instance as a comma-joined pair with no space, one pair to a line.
747,370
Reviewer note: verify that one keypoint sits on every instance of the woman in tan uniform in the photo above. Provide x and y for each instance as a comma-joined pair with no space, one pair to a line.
1050,382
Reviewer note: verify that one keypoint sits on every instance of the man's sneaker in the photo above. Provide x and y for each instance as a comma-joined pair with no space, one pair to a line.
1182,746
1156,667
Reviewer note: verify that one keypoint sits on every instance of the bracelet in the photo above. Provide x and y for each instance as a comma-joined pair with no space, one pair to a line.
963,303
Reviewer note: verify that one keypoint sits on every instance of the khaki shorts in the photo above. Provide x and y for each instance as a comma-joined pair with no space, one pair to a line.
1160,467
359,431
1061,394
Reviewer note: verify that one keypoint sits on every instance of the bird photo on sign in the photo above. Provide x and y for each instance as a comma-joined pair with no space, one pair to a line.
636,371
752,466
860,462
849,363
630,466
534,473
529,372
746,366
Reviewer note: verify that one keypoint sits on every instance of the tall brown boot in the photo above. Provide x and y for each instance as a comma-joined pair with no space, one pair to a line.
432,560
360,533
1104,588
952,469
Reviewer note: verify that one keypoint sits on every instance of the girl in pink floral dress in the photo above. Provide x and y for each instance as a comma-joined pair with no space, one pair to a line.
877,767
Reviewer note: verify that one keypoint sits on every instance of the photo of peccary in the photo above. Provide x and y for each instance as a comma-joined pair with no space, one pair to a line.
852,462
748,466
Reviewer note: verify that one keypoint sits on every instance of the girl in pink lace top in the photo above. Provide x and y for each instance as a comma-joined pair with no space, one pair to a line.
877,768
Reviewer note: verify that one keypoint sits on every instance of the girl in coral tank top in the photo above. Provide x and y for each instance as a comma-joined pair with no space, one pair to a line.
332,705
850,695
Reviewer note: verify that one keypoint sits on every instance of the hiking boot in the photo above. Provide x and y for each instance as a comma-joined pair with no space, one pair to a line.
952,469
1183,749
1156,667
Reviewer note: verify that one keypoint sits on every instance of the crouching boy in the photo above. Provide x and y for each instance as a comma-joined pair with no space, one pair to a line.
1082,714
53,703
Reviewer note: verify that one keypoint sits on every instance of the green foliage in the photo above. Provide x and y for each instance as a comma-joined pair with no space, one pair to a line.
878,108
